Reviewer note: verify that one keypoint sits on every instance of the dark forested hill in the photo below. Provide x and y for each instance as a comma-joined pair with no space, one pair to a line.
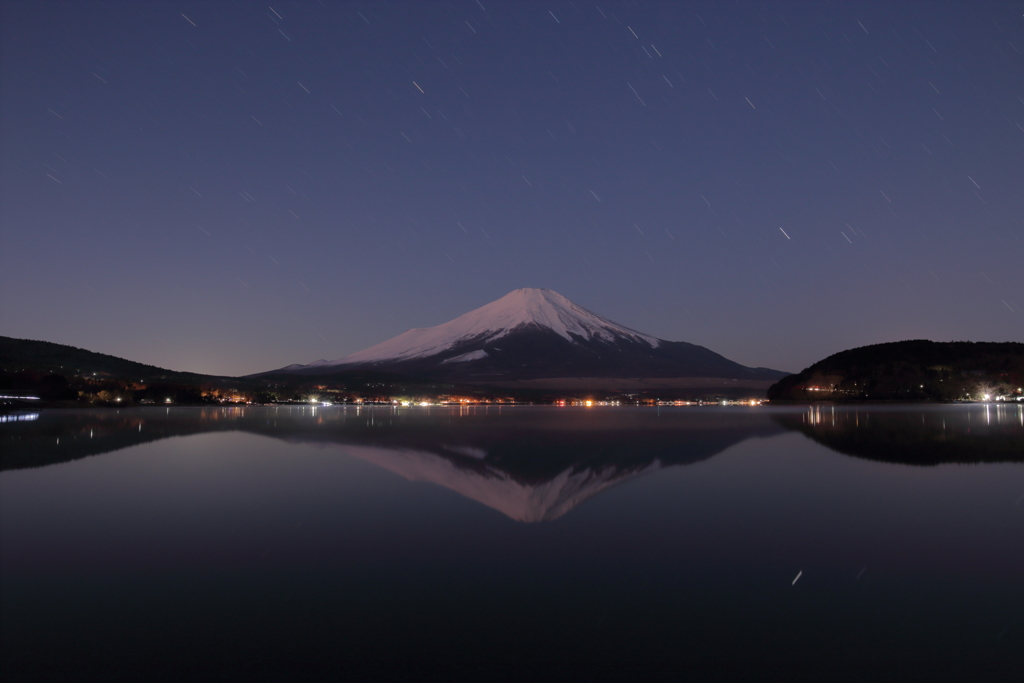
917,370
28,355
61,373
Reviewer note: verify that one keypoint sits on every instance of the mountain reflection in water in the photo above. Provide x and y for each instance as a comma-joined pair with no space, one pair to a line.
264,544
537,463
531,464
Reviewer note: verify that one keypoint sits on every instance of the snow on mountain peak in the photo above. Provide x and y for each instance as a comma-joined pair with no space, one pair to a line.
550,309
541,307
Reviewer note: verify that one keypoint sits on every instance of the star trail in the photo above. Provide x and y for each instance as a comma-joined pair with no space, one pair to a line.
226,187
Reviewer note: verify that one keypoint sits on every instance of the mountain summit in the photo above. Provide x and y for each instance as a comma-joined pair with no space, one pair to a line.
531,334
537,308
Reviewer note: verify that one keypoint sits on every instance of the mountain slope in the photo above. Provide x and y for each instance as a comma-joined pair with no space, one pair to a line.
533,334
17,355
914,370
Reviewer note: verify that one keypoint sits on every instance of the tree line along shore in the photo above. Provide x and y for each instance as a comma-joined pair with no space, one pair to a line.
43,373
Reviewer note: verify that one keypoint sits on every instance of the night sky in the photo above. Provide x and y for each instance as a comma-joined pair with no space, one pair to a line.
230,187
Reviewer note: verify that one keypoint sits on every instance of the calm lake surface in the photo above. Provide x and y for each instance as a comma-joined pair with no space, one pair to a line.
702,542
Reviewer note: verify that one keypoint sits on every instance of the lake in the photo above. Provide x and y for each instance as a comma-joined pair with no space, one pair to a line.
309,543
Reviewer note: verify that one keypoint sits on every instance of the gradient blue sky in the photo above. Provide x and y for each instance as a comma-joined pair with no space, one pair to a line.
229,187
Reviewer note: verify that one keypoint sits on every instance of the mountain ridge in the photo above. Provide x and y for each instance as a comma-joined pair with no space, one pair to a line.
533,334
519,308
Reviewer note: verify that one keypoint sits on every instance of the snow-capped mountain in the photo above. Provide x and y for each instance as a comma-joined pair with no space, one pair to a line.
521,308
529,334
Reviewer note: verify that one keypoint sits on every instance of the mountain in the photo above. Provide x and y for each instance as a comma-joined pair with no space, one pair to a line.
21,355
58,373
536,334
916,370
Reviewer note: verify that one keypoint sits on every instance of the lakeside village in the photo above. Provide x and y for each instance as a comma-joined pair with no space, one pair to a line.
57,391
979,393
96,391
99,392
624,400
113,393
25,388
105,398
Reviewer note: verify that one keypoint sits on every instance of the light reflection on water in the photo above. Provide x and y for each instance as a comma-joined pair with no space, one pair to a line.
614,539
19,417
990,413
